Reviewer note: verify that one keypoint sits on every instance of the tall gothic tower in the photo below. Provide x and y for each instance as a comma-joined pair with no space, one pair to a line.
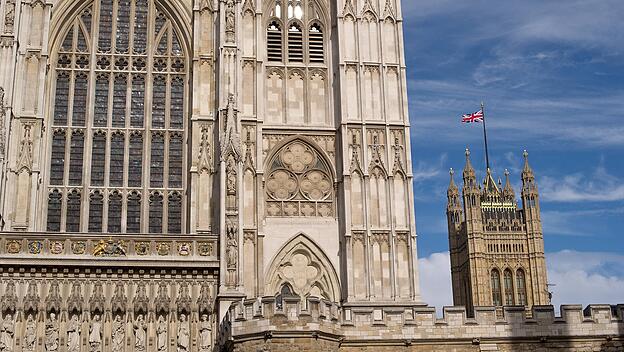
497,249
162,160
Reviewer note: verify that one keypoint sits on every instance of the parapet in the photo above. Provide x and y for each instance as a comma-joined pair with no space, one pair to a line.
401,323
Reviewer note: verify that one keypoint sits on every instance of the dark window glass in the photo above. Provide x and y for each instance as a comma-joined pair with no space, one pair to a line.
163,45
116,169
175,160
68,42
135,161
123,26
174,223
176,49
159,101
98,158
87,18
496,288
96,211
57,167
140,26
133,219
75,158
114,212
521,287
101,100
119,100
177,103
54,211
72,219
81,41
158,160
155,213
106,25
160,21
138,101
61,97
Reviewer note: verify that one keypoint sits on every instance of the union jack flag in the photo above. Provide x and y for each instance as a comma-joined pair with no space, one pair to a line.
474,117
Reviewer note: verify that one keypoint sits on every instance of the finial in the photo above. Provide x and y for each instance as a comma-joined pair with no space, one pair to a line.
452,172
506,173
525,154
467,152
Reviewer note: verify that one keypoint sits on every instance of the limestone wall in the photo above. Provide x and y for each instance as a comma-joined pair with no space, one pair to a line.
414,328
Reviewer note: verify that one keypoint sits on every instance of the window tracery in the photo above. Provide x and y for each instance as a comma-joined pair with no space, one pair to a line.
496,288
132,52
299,183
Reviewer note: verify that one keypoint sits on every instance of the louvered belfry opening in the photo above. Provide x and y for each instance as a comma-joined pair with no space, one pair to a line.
295,43
315,39
274,42
117,143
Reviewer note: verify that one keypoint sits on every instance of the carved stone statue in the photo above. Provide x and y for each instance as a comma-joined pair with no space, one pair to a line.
73,334
30,336
7,333
95,334
205,333
229,21
119,333
52,334
161,334
183,334
140,334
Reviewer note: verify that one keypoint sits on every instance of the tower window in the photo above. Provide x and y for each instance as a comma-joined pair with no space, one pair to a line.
295,43
496,288
274,42
509,294
521,287
315,37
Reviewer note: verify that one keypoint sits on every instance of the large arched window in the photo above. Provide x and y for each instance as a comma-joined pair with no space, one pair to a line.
496,288
117,160
509,294
303,38
299,183
521,287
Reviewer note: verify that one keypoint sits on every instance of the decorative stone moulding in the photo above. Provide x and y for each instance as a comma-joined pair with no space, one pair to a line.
105,247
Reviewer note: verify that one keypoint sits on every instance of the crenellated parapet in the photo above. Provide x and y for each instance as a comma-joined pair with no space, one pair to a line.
271,319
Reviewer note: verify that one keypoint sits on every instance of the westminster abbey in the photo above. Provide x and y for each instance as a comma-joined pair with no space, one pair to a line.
221,175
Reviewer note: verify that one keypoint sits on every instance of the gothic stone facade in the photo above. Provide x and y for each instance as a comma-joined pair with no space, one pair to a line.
219,175
497,249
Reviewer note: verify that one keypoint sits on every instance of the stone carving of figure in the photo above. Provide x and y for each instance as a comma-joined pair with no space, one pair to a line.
229,20
73,334
140,334
183,334
7,333
31,334
119,333
95,334
161,334
9,17
205,333
52,334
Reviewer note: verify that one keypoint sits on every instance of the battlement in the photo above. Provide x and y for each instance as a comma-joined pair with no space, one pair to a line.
399,323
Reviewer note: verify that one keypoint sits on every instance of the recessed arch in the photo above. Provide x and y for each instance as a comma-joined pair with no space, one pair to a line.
304,266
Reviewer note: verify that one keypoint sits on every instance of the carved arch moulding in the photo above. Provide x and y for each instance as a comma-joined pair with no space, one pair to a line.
303,266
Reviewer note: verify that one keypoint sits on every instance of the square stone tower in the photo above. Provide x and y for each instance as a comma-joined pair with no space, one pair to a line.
497,248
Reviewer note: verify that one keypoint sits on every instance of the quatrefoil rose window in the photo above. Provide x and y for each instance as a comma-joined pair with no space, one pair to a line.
299,183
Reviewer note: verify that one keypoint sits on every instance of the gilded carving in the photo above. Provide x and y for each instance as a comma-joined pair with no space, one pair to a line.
79,247
57,247
163,248
35,247
110,248
13,246
204,249
184,249
141,247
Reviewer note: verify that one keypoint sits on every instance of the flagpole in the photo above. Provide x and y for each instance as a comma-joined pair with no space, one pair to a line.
487,156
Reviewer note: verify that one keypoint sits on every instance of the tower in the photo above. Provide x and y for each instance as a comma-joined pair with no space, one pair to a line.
496,248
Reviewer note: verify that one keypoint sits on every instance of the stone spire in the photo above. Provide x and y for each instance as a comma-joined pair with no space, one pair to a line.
508,191
452,186
469,172
527,171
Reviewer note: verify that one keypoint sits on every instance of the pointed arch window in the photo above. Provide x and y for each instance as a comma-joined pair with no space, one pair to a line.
121,136
509,293
496,288
521,287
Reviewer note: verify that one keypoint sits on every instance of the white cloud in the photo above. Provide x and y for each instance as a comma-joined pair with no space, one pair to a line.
598,187
580,278
424,171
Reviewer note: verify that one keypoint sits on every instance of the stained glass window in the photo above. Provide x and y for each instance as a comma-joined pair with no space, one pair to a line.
113,156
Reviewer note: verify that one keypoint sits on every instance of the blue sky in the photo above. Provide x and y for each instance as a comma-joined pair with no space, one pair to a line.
551,74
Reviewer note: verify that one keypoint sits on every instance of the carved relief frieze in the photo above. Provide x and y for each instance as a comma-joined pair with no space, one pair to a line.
119,300
205,163
9,299
75,301
348,9
205,5
31,299
248,7
389,10
162,301
97,301
9,16
110,248
35,247
13,246
380,237
183,300
141,301
358,236
53,301
204,301
230,21
368,7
